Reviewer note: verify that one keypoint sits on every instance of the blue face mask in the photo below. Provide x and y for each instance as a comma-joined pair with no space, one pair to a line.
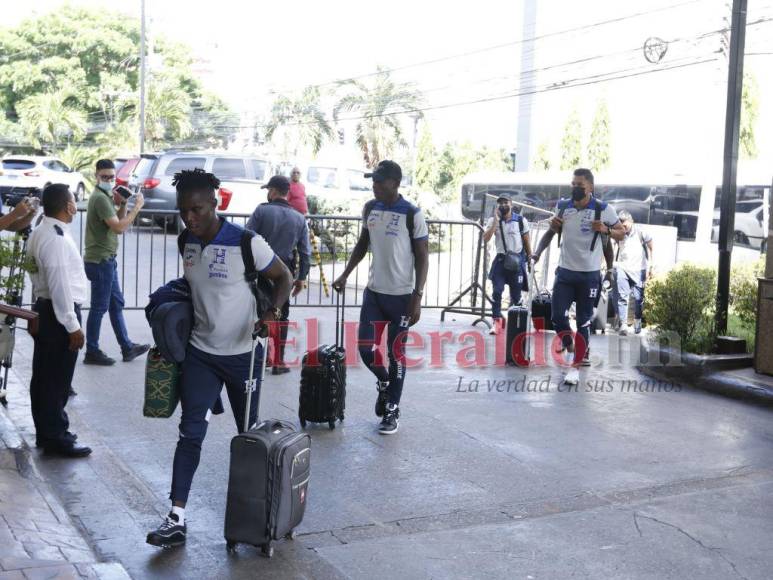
106,186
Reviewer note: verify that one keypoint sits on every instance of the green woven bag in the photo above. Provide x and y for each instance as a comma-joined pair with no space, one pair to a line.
162,390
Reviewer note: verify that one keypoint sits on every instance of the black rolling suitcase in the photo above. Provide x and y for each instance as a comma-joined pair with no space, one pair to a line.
268,479
517,325
541,308
323,379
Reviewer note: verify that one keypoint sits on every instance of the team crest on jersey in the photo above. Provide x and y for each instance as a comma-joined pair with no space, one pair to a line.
393,227
218,267
587,222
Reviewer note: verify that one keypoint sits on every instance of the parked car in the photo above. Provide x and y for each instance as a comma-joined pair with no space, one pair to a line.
123,171
240,177
330,184
750,229
23,175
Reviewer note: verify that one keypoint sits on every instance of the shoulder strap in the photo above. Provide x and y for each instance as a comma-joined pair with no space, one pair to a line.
366,212
598,209
645,249
409,222
520,223
561,210
502,231
250,272
181,240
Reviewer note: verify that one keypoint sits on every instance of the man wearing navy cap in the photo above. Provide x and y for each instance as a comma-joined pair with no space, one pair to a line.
397,235
511,234
287,234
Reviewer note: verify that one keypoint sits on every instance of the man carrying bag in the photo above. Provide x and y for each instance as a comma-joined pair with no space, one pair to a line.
512,236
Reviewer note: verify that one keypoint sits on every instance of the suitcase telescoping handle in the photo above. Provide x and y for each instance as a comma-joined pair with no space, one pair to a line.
340,308
250,385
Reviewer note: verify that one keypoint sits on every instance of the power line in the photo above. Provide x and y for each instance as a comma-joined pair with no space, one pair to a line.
583,28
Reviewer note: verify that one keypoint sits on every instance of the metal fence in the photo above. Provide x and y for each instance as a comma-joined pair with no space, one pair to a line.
148,257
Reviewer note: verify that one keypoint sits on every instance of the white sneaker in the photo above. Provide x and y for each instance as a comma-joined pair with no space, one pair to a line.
497,325
572,377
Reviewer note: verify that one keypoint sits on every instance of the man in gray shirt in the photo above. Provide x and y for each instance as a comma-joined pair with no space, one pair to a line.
287,233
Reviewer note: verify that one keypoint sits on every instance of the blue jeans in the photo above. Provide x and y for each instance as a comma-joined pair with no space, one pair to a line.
582,288
203,375
384,312
106,296
625,287
499,277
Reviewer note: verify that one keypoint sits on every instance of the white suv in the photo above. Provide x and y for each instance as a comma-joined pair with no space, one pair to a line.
22,175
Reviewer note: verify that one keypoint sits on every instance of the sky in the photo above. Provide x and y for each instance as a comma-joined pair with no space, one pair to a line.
668,121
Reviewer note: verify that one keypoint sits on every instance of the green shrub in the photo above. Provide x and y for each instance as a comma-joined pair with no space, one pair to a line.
682,302
743,290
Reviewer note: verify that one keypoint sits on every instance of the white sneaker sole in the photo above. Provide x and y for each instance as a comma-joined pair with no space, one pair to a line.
380,432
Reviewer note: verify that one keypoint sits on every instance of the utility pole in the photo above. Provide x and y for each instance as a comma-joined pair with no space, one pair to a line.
527,85
142,77
730,161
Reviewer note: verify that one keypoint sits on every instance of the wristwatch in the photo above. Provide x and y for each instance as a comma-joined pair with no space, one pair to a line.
277,313
418,293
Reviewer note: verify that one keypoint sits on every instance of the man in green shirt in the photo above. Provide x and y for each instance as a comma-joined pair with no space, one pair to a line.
103,224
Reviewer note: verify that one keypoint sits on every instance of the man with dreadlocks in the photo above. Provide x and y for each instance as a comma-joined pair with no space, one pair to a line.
215,253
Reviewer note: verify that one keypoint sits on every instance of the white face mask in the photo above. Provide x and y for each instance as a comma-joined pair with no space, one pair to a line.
107,186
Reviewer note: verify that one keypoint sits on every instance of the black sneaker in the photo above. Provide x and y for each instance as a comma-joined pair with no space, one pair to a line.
586,359
381,400
98,358
135,351
169,534
280,370
391,421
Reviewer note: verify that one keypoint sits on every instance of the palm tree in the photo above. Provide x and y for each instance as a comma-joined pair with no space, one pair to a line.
167,113
51,118
299,122
377,105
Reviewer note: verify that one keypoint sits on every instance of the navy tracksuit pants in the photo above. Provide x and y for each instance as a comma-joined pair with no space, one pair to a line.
203,375
583,289
380,313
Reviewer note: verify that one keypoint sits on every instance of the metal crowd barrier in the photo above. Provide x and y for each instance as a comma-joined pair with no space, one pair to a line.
148,257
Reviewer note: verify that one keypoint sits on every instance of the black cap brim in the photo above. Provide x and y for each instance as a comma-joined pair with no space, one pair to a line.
375,176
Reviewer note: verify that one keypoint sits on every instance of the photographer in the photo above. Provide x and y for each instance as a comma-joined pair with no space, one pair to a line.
511,234
103,224
20,217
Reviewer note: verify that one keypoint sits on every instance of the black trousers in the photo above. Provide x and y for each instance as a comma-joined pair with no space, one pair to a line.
53,366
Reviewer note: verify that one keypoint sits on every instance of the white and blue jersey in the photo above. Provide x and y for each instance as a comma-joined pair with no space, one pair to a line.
577,235
223,303
392,266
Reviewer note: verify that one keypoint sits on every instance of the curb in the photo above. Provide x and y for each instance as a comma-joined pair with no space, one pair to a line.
724,383
12,442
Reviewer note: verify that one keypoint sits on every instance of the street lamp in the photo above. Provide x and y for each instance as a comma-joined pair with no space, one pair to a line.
512,159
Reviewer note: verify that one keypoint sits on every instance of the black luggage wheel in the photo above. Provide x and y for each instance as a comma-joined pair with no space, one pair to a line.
267,550
303,423
331,424
230,547
291,535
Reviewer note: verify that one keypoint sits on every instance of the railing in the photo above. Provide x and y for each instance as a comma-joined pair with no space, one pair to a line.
148,257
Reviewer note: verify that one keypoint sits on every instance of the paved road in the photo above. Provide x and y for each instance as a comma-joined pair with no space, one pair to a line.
477,484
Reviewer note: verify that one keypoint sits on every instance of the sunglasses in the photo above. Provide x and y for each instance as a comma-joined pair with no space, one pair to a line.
106,177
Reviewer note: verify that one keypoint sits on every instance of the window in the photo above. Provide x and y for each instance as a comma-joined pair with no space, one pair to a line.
677,206
259,168
357,181
18,164
145,167
179,163
326,177
229,168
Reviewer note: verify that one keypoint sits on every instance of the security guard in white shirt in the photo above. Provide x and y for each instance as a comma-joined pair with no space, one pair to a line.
59,288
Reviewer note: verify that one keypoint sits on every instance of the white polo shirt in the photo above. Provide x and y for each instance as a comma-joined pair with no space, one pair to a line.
577,236
392,265
513,235
223,304
631,257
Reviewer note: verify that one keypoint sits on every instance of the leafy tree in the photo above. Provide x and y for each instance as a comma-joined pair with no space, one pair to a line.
299,122
458,160
427,166
542,161
598,146
378,132
51,118
750,103
167,113
95,57
571,144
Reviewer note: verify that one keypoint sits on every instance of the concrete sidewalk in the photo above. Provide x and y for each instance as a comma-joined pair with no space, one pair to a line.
38,539
496,473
